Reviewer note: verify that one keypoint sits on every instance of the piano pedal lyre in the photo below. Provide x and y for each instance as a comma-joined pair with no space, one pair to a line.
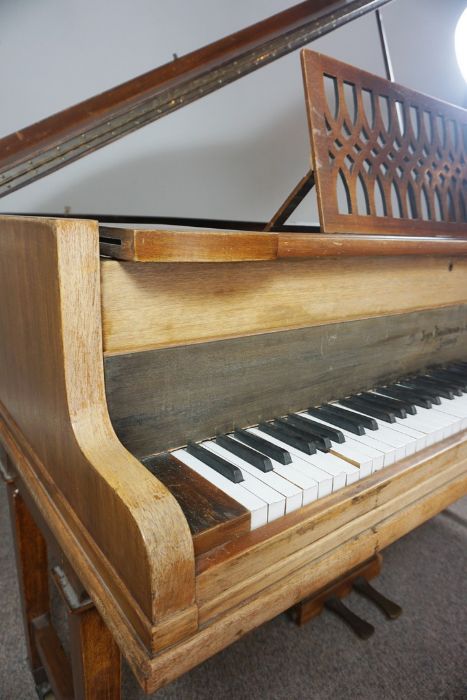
330,598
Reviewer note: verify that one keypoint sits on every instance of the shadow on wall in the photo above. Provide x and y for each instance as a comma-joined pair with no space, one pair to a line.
242,179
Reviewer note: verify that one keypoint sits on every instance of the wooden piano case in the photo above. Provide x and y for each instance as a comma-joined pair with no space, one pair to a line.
171,336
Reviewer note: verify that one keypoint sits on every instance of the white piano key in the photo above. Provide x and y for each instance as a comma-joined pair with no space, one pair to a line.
367,442
257,507
336,468
274,499
420,438
299,475
399,441
436,425
293,493
455,408
366,459
356,456
323,479
308,486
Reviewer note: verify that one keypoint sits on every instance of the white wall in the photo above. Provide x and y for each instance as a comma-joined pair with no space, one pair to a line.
235,153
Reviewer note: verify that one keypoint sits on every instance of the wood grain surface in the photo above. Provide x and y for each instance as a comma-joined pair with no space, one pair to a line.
186,246
157,305
285,545
422,490
210,246
212,516
160,399
397,155
52,400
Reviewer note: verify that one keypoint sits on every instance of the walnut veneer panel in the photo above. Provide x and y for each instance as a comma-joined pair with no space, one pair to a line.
156,305
398,156
160,399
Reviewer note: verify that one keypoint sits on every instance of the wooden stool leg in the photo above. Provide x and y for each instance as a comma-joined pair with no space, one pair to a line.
31,564
95,657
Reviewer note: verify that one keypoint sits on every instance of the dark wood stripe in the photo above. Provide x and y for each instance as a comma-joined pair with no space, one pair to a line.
213,517
160,399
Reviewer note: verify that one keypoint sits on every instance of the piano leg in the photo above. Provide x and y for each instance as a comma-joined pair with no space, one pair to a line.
95,656
95,670
33,583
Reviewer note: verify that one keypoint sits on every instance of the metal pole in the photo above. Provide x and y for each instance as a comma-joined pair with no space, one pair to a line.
384,46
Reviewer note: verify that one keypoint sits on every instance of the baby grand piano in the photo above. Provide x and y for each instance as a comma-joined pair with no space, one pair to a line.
206,427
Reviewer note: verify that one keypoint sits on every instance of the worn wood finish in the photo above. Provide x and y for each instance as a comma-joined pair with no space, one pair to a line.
178,245
238,567
31,569
209,388
186,246
313,245
316,570
53,405
160,305
117,524
50,144
95,657
53,658
399,155
212,516
255,609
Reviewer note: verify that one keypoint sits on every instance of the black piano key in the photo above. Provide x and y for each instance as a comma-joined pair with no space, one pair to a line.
338,420
418,391
332,433
451,373
295,432
396,402
357,418
267,448
408,399
431,386
353,415
274,431
366,407
443,384
385,403
230,471
322,443
453,366
256,459
291,430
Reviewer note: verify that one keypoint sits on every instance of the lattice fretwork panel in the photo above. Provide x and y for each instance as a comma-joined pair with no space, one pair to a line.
386,159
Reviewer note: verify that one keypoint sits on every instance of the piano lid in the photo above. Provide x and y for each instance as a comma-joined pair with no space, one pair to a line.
37,150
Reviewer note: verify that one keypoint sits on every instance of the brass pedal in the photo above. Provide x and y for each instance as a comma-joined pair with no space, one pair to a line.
360,627
389,608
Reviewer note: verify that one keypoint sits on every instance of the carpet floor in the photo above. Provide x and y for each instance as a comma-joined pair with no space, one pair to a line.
422,655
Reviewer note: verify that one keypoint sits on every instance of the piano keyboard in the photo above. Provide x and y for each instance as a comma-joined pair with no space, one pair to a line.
281,465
